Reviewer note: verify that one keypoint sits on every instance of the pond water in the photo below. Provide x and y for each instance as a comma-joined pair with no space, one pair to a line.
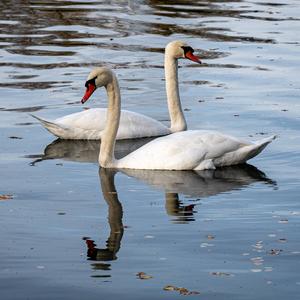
70,230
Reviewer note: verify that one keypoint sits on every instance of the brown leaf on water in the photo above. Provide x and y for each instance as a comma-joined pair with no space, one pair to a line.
182,290
143,275
6,197
170,288
210,237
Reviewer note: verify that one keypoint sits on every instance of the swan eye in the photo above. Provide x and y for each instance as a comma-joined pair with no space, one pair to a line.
187,49
91,81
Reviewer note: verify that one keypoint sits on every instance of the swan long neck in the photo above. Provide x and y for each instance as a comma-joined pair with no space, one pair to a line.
178,122
107,147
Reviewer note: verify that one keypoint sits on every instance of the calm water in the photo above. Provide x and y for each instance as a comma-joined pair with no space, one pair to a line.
72,231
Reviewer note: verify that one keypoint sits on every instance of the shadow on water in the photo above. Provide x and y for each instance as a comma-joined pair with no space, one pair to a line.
84,151
196,184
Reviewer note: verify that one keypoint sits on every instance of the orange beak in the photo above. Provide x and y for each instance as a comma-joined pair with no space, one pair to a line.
88,93
189,55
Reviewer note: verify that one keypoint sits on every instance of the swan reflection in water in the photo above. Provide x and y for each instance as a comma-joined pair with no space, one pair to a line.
194,184
84,151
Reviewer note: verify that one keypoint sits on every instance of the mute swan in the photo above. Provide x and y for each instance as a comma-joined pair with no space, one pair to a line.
186,150
89,124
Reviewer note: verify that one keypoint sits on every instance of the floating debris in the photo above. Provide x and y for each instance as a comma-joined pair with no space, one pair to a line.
6,197
274,251
181,290
282,240
220,274
15,137
210,237
283,221
143,275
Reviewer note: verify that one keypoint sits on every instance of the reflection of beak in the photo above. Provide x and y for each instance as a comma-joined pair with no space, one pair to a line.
189,55
89,91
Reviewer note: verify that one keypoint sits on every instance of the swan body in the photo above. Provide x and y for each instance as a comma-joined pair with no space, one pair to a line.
192,150
187,150
89,124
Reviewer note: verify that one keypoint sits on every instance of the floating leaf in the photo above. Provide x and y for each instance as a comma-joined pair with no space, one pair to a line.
170,288
143,275
6,197
181,290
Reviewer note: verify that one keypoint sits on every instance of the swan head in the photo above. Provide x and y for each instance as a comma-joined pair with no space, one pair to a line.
98,77
180,49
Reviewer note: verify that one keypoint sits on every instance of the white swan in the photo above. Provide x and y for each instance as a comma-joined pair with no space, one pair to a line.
89,124
186,150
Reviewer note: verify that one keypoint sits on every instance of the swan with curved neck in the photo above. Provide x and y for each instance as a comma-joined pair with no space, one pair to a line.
89,124
186,150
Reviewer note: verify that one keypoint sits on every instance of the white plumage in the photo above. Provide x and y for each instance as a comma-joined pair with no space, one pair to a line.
187,150
192,150
89,124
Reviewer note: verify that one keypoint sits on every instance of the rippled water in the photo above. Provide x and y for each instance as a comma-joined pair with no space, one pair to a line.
73,231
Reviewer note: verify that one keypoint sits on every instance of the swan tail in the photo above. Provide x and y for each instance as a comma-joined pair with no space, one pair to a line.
257,147
244,153
54,128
